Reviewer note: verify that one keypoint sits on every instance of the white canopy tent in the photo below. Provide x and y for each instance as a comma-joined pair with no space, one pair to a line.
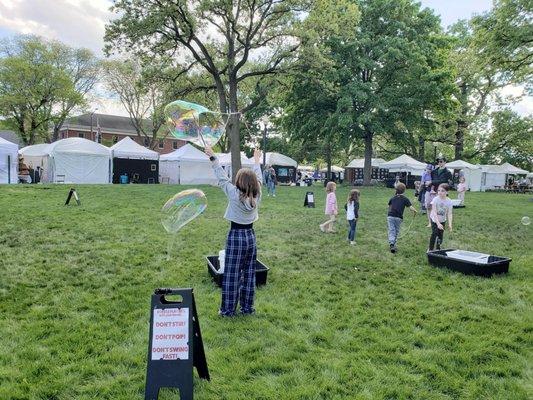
78,160
129,148
334,168
510,169
139,164
472,173
8,161
492,177
186,166
360,163
280,160
404,163
460,164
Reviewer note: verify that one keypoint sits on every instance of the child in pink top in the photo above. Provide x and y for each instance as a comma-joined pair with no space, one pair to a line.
331,208
461,189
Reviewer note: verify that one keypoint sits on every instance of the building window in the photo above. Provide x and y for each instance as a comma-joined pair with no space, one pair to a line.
175,145
146,142
82,135
115,139
161,144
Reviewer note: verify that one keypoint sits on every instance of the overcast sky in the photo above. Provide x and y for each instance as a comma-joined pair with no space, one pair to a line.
81,23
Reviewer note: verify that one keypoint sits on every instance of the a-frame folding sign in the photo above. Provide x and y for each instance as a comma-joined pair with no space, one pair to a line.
309,200
175,344
71,193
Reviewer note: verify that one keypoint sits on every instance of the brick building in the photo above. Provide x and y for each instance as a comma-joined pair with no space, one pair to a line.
112,129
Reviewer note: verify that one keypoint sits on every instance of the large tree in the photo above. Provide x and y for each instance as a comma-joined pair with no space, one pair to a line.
142,97
504,37
217,37
509,139
385,79
37,88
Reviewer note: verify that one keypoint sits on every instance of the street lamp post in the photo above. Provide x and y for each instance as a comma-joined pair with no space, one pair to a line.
92,114
264,124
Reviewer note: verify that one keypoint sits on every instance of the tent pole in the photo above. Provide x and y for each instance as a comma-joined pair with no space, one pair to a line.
8,168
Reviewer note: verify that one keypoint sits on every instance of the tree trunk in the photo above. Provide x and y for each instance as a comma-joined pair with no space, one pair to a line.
328,162
421,149
234,129
459,139
367,171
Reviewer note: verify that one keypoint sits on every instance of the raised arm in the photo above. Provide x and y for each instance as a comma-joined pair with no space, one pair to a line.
257,165
222,178
450,217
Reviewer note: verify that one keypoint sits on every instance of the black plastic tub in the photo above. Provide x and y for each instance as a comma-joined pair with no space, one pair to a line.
495,264
261,271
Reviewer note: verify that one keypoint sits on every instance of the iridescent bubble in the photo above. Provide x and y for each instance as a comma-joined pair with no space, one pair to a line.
194,123
526,220
182,208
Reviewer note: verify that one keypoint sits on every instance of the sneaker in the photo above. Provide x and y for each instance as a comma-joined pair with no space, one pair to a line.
352,242
322,228
393,248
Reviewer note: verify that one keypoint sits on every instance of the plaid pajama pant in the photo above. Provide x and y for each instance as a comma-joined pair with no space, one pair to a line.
238,282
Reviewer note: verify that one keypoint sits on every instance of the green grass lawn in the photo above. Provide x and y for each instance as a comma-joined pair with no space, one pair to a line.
75,287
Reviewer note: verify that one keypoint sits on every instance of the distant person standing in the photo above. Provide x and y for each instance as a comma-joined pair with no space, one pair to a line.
272,181
461,189
441,174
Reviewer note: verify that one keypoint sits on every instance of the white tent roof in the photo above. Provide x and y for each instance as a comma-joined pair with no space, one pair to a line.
507,168
334,168
360,162
460,164
185,153
404,162
8,170
225,159
77,145
306,168
35,150
280,159
128,148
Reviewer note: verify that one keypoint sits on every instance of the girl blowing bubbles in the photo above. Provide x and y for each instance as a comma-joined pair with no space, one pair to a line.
238,281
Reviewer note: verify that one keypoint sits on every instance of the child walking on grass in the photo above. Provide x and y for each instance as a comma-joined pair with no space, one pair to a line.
441,211
397,205
331,208
352,213
461,189
238,281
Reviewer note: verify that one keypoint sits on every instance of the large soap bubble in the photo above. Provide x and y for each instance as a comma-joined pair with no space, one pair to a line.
194,123
526,220
182,208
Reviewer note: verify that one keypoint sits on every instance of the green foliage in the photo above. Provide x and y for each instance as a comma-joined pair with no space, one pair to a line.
40,83
383,75
75,286
510,140
503,37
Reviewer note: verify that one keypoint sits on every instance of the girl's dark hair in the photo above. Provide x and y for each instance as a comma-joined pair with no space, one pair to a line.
354,195
248,185
445,186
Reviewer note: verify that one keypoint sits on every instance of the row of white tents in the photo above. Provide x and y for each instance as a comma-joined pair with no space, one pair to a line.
78,160
478,177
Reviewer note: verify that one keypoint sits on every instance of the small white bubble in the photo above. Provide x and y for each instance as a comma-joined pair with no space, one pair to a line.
526,220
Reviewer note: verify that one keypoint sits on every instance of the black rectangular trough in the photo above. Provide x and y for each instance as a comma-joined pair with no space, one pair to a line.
494,264
261,271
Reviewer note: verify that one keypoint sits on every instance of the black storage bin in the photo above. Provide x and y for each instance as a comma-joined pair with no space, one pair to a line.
495,265
261,271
